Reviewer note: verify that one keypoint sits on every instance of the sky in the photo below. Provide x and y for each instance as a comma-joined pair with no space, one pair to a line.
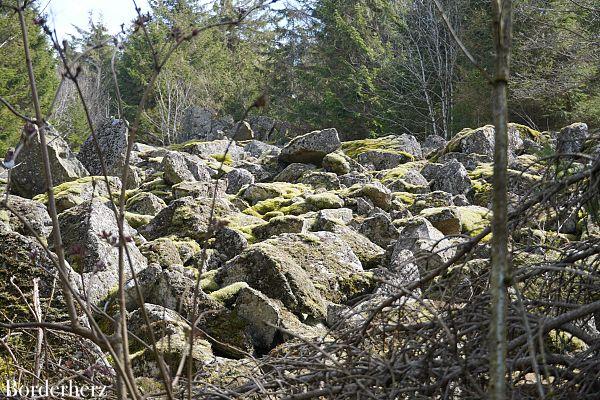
63,14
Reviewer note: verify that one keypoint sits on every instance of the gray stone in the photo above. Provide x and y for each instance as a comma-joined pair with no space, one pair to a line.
230,242
282,224
571,139
258,310
204,124
28,179
369,254
33,212
379,195
377,160
426,243
257,149
145,203
432,144
179,167
171,287
343,215
111,135
311,147
199,189
215,148
451,177
242,131
300,270
171,332
237,178
320,180
379,229
293,172
268,129
90,236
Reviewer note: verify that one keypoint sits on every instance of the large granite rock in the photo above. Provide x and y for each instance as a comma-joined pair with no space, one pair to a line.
450,177
111,135
300,270
90,237
178,167
28,179
33,212
311,147
572,138
185,217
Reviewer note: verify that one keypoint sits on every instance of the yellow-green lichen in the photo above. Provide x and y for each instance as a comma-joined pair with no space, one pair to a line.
226,294
223,158
526,132
137,220
207,281
398,172
324,200
386,144
405,197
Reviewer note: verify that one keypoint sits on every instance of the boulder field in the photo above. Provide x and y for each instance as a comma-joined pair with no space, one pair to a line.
301,230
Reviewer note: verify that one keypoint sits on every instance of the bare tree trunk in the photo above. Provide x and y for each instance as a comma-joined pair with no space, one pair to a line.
502,31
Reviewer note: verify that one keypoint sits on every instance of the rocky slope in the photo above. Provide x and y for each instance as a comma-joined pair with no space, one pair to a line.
303,229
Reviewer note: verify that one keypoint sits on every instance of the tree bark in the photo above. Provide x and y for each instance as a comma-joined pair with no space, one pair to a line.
502,32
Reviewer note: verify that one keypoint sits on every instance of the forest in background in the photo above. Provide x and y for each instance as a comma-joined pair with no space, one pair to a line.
367,67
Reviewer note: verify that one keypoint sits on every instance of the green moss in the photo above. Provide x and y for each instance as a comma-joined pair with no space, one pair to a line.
207,281
526,132
561,341
223,158
296,208
137,220
265,206
405,197
324,200
227,294
358,284
483,170
184,146
389,175
387,144
68,194
474,220
482,192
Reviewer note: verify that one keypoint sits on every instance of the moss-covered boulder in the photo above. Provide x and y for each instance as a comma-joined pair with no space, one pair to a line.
325,200
185,217
145,203
385,152
300,270
263,191
73,193
161,251
311,147
34,213
336,163
172,334
90,234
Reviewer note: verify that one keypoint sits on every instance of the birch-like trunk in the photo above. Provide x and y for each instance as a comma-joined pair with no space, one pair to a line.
502,31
